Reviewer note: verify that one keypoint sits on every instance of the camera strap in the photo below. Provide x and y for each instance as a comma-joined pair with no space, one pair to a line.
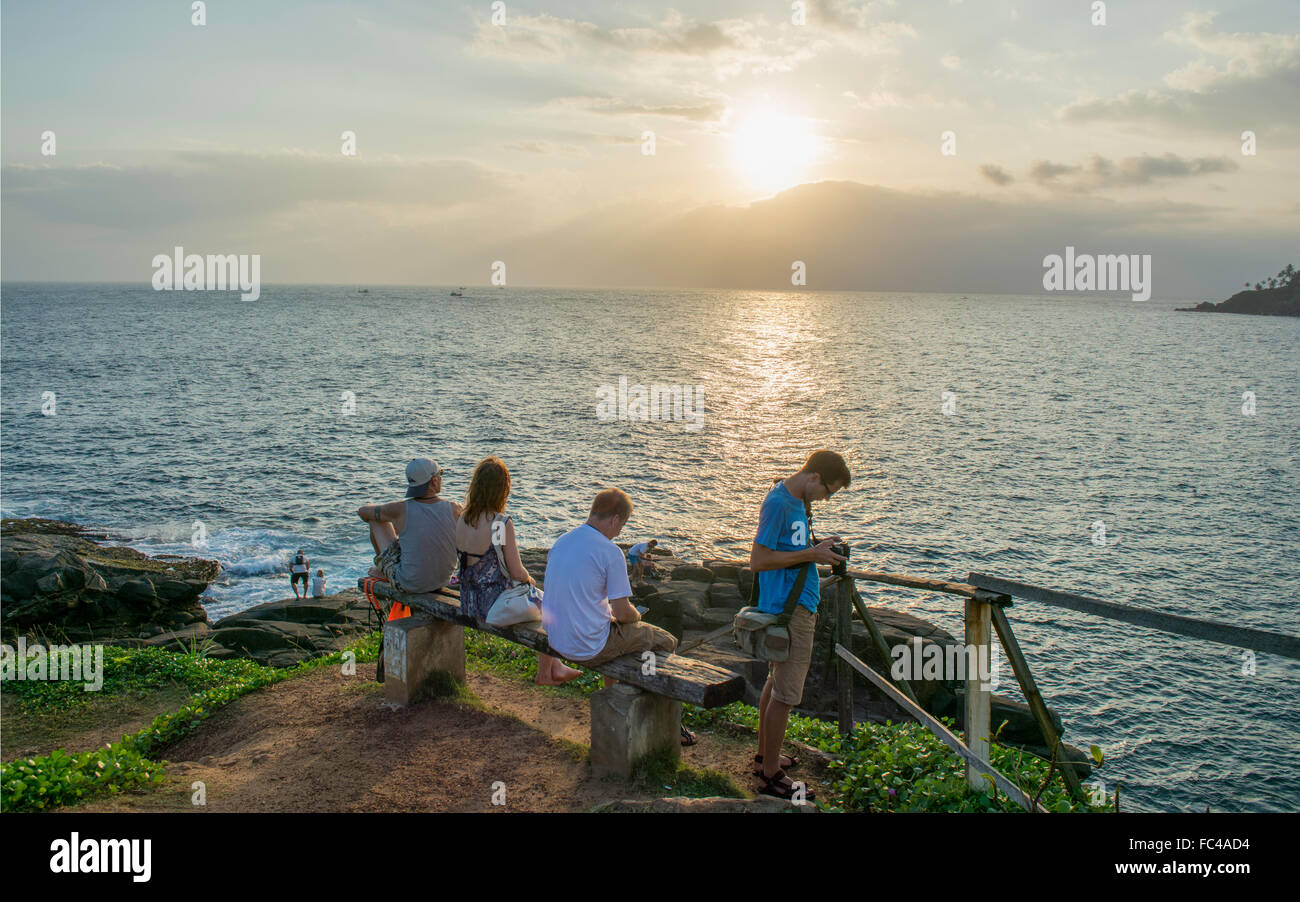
792,600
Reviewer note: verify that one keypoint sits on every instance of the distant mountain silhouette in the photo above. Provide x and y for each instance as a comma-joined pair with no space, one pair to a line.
856,237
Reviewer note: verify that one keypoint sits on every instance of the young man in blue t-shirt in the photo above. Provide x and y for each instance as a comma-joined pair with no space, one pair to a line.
782,548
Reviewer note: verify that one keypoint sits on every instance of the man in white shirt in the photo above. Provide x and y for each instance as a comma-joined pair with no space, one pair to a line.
586,610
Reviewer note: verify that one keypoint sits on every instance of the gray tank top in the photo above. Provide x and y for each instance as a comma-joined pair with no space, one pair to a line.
428,542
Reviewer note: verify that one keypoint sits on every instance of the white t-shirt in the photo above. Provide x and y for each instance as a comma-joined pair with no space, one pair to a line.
318,586
583,572
299,565
638,550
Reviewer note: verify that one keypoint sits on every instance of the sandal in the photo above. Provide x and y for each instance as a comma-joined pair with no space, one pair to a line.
779,785
688,738
758,763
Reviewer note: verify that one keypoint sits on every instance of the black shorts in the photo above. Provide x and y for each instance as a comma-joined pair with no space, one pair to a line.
294,577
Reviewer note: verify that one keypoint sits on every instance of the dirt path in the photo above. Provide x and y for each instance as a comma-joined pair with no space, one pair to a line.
326,742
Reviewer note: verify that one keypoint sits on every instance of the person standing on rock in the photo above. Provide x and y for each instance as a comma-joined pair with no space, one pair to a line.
298,570
415,539
782,553
637,556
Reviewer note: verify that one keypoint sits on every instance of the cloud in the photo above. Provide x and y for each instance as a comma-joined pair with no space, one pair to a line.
707,111
1045,171
726,47
996,174
1099,172
1257,75
549,35
546,148
201,186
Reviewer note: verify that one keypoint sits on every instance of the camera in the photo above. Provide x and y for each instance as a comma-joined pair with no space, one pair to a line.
842,549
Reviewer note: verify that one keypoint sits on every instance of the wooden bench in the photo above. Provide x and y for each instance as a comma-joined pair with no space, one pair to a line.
639,715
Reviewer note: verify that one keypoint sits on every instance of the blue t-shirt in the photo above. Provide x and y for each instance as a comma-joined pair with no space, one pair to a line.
783,526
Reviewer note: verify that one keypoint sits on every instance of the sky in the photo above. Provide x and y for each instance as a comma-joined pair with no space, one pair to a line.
894,146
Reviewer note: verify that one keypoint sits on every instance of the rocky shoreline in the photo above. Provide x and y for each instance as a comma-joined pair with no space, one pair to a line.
1280,300
62,585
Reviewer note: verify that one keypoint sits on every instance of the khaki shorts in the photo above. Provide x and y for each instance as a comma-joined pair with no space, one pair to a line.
629,638
787,677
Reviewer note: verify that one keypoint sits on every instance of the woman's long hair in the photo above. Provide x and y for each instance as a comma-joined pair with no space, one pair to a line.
489,488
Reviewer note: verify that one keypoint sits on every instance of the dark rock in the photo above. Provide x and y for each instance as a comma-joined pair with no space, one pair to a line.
664,612
725,595
137,591
302,628
716,617
746,583
722,570
61,583
693,573
691,597
182,638
287,658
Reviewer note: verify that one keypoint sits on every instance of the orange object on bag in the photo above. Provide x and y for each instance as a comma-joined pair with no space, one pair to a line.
398,611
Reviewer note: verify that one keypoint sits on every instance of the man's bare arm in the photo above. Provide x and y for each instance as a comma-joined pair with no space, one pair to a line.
380,513
623,610
763,558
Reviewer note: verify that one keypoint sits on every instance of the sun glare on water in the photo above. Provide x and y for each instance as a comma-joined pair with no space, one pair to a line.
771,150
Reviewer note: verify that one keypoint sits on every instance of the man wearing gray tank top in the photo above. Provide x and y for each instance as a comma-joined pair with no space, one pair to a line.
415,539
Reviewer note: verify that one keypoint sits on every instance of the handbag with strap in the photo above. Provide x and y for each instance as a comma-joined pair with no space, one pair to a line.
767,636
518,602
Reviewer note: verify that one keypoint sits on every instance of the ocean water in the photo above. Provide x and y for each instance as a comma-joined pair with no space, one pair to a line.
270,422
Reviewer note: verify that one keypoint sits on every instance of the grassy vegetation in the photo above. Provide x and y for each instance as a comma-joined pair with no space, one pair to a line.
44,782
665,773
903,767
880,767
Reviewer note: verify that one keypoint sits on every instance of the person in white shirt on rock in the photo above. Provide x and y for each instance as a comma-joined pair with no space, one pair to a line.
318,584
638,557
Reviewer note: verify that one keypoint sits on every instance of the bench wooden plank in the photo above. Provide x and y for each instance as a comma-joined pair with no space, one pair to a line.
684,679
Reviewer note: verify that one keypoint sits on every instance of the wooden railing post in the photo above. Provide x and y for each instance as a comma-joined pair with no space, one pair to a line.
878,640
844,636
978,694
1020,666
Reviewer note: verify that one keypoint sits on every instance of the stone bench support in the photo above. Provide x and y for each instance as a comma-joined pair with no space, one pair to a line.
414,648
627,724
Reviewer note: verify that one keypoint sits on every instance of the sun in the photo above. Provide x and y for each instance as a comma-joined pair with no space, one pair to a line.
771,150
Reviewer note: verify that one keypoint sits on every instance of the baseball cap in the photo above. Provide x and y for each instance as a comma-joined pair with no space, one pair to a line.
419,473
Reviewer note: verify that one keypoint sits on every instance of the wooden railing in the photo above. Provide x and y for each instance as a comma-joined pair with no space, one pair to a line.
986,600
